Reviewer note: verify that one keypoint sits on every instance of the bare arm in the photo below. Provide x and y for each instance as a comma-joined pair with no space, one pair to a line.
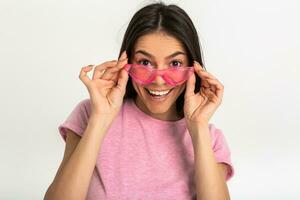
210,175
74,175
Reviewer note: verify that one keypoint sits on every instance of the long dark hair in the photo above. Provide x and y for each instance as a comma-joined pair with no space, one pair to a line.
170,19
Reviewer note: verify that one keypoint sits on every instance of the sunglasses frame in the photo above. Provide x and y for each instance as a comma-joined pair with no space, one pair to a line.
161,72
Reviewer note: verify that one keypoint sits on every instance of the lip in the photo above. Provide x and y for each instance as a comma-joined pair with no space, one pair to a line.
155,99
159,90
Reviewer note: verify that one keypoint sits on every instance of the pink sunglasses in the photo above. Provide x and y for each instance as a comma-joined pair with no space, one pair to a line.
145,75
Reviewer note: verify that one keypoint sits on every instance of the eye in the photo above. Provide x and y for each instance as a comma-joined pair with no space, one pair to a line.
146,62
143,61
178,63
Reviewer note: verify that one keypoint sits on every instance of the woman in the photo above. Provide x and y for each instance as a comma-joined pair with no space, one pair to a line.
144,133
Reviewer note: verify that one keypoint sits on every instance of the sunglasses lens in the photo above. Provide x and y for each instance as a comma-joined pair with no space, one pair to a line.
140,73
173,76
178,75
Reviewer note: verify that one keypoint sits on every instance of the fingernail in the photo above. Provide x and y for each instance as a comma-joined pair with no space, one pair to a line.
124,59
123,54
196,63
121,57
198,66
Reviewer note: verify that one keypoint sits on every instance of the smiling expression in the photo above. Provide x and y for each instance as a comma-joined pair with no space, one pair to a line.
161,51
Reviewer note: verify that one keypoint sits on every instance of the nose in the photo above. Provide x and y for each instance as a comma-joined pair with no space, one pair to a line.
159,80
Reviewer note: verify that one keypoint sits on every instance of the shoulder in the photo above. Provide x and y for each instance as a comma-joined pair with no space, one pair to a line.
213,129
85,103
215,132
84,107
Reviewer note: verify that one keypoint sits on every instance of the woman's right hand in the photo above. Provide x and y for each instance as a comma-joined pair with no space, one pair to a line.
106,91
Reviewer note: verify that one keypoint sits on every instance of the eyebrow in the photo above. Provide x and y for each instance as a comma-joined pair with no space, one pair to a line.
151,56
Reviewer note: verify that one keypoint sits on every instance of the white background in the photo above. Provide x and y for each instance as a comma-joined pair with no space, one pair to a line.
252,47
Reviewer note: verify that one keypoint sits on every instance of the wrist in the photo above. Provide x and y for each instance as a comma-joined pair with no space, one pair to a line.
198,123
197,128
105,120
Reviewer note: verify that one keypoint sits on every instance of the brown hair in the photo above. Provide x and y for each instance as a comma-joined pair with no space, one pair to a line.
171,19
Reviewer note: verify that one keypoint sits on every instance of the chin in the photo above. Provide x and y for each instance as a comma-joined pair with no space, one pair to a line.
157,106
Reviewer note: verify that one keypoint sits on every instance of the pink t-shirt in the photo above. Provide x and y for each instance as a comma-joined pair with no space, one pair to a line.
142,157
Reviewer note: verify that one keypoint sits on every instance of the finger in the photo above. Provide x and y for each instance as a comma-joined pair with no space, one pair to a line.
99,68
83,74
206,74
190,85
204,83
219,88
211,95
212,85
122,81
121,62
201,72
203,76
123,75
197,65
111,72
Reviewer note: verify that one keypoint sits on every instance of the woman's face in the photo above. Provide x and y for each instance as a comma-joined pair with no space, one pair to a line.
160,51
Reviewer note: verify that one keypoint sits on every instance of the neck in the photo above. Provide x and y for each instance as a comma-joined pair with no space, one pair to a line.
170,115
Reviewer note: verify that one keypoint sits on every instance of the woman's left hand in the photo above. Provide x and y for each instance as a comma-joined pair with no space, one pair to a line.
201,106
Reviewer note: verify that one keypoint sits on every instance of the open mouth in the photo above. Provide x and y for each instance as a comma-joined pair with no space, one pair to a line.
158,95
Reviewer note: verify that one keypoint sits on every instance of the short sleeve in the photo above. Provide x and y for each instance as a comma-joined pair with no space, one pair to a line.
77,119
221,149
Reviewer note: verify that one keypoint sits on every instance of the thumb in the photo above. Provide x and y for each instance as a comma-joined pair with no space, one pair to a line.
190,85
122,81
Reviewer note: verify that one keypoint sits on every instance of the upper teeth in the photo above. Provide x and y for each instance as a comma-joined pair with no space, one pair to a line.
158,92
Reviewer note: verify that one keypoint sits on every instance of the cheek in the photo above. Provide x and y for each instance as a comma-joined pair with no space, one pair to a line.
180,89
134,85
137,88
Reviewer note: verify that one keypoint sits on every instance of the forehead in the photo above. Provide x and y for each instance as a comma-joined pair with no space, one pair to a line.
158,44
